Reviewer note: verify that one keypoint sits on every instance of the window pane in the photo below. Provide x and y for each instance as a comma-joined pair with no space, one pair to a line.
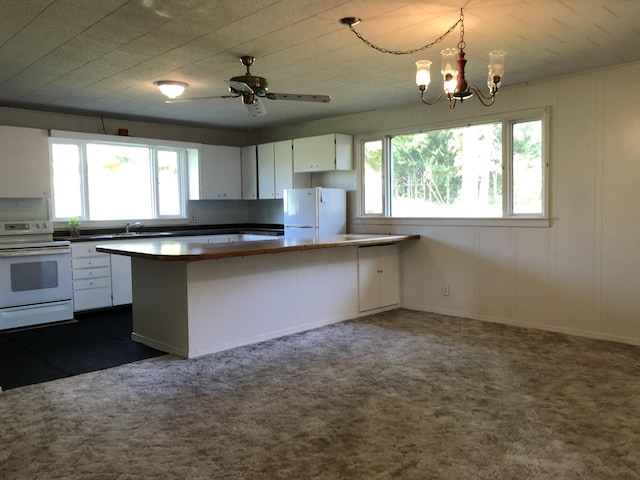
373,177
168,183
67,180
448,173
527,167
119,182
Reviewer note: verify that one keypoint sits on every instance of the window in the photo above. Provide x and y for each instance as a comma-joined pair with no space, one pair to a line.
100,181
483,170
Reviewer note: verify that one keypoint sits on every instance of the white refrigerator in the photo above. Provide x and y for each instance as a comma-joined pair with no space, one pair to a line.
314,212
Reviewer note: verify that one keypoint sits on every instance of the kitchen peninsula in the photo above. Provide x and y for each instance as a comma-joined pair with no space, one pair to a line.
193,299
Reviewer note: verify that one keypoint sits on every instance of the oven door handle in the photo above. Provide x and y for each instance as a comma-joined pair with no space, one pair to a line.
24,252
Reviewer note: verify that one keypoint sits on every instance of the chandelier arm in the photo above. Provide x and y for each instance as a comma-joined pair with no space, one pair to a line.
408,52
435,100
482,97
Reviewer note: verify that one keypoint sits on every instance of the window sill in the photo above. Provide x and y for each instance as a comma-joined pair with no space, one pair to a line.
455,222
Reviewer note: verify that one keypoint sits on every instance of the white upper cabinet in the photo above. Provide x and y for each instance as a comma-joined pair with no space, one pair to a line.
266,171
283,153
249,173
216,174
323,153
275,168
24,162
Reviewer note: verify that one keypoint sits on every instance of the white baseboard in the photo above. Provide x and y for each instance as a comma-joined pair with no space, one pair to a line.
163,347
535,326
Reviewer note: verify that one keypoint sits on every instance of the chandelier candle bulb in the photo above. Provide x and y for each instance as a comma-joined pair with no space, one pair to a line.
423,74
448,70
496,69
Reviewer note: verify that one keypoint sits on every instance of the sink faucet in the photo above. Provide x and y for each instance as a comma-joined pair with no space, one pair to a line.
128,226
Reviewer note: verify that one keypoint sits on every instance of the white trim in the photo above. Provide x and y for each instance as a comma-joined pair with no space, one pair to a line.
529,325
92,137
163,347
454,222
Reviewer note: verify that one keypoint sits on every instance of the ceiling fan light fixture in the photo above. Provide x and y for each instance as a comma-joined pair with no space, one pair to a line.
171,88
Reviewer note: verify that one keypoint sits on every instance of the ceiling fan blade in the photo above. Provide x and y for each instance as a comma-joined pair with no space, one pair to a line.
181,100
239,87
299,97
256,109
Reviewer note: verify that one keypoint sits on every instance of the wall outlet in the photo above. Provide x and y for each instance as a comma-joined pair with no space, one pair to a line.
193,218
445,290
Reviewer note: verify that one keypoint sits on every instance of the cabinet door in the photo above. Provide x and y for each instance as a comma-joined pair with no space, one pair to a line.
283,152
389,265
92,298
314,154
249,173
378,277
323,153
368,279
220,173
121,280
24,158
266,171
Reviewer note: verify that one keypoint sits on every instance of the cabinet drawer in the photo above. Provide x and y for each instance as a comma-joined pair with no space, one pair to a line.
85,273
86,250
90,299
92,283
90,262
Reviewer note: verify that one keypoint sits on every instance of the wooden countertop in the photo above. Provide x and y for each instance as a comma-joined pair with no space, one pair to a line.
171,250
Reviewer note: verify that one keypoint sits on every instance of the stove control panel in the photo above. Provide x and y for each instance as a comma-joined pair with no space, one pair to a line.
30,227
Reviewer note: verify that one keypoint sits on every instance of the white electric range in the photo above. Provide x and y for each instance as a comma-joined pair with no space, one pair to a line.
35,275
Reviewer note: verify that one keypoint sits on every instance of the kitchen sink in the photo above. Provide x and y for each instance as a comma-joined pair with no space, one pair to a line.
112,236
142,234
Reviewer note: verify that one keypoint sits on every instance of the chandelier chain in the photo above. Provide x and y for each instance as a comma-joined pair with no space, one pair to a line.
461,44
416,50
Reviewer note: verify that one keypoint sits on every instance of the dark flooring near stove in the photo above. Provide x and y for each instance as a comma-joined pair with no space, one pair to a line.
97,340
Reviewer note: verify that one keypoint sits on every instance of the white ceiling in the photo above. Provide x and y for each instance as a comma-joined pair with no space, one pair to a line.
102,56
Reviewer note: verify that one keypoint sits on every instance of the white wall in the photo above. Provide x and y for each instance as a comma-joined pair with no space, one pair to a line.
580,274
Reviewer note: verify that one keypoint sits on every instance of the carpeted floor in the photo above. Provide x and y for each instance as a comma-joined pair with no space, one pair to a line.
401,394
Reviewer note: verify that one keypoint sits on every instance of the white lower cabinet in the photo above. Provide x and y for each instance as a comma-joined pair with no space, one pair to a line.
378,277
91,273
120,280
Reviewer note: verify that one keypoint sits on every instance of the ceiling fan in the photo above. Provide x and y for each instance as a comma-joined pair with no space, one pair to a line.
251,88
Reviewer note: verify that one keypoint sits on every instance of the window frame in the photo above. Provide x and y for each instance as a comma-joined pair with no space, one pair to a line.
81,140
508,120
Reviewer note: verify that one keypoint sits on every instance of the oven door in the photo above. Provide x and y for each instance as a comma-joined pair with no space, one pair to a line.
30,276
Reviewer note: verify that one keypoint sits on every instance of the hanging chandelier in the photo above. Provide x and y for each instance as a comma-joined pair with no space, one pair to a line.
455,87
